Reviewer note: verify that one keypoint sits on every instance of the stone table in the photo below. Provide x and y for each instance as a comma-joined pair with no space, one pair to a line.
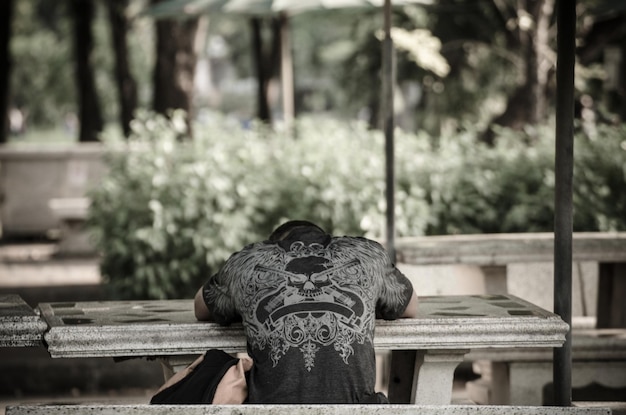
446,328
20,326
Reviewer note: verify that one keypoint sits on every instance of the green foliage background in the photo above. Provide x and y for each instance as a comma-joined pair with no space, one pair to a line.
170,211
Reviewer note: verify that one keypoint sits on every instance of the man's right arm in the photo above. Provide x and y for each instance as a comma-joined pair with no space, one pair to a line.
213,303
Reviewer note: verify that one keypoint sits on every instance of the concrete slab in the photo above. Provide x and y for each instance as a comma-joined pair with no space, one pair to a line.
37,265
20,326
119,328
302,410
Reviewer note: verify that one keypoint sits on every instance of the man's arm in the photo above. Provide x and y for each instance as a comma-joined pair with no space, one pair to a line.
411,308
199,307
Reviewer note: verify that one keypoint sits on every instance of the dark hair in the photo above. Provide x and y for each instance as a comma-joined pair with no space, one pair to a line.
287,227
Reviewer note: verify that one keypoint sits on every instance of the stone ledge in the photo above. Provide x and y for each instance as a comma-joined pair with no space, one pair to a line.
507,248
617,408
169,327
20,326
300,410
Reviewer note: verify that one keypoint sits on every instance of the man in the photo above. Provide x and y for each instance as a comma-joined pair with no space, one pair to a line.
308,303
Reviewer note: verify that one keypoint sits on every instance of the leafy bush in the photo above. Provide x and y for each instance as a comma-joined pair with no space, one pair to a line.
600,180
473,188
170,211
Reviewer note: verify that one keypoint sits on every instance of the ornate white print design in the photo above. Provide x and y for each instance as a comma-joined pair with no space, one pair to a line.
310,297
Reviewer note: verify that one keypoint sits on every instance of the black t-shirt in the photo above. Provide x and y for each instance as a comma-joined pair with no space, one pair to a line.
308,305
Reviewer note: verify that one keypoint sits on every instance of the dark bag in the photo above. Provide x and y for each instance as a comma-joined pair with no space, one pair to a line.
199,385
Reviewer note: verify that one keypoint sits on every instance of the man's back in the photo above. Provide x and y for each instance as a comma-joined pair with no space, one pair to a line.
308,305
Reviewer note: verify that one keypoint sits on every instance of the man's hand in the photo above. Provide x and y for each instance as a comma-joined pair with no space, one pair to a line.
199,307
411,309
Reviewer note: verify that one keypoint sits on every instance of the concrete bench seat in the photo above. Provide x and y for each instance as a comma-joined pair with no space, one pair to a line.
518,377
299,410
32,175
71,213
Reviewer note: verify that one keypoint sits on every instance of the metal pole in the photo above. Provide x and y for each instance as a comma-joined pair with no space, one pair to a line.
286,71
563,221
388,88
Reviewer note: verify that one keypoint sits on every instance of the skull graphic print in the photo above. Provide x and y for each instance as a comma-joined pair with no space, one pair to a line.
317,301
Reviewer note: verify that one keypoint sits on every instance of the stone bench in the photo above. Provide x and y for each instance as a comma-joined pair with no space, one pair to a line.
519,377
20,326
299,410
432,345
599,347
493,253
71,213
32,175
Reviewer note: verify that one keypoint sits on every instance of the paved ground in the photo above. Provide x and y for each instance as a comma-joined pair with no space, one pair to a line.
124,397
128,396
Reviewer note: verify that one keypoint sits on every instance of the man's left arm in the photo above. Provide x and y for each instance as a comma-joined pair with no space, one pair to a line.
397,297
200,308
411,308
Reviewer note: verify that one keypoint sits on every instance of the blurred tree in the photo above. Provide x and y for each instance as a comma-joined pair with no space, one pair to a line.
263,106
90,114
42,84
530,33
266,62
6,15
360,73
602,36
173,78
495,63
322,42
126,84
499,59
605,23
503,56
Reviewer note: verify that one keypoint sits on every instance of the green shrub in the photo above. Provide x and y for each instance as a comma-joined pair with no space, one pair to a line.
170,211
600,180
473,188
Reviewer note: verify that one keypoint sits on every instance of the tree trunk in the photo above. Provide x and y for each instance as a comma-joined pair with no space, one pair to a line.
528,104
602,33
90,115
126,85
6,13
622,85
175,66
263,108
541,63
286,72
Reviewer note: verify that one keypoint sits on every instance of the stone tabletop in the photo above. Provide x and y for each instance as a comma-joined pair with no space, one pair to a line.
20,326
291,409
592,345
158,328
